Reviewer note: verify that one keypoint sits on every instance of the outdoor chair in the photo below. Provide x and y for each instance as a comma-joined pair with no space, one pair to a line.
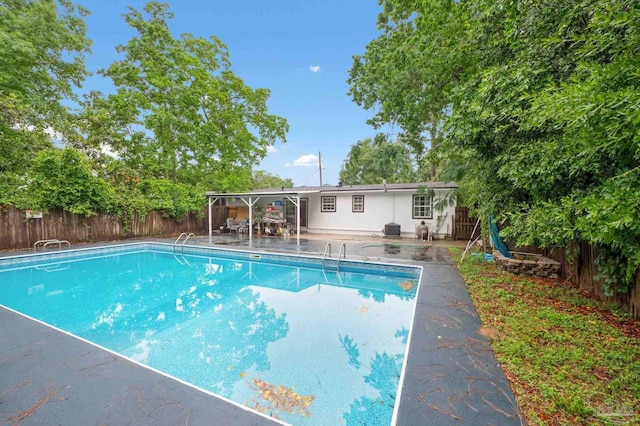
232,224
243,226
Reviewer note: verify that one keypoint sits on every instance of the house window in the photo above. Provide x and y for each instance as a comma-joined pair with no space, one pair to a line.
357,203
327,204
422,207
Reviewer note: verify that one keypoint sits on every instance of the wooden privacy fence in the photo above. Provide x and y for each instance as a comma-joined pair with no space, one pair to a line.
582,273
463,225
17,231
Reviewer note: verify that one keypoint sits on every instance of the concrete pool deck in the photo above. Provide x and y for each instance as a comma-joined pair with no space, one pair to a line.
451,374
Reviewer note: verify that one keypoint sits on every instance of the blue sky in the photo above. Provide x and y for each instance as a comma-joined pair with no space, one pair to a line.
301,50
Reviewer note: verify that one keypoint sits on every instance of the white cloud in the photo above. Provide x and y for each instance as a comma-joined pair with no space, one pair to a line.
308,160
272,149
53,134
20,126
49,131
315,69
287,164
106,149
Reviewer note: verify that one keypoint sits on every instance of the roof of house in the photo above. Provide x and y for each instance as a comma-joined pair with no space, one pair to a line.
388,187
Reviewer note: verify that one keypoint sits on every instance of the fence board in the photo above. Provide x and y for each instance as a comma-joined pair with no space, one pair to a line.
463,225
581,272
18,232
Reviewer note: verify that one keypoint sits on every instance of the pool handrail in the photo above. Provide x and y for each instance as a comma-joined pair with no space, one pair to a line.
187,236
175,243
58,242
45,243
35,245
342,254
191,234
324,255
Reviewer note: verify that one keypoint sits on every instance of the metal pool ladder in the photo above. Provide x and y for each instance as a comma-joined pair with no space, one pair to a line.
327,248
186,238
341,255
45,243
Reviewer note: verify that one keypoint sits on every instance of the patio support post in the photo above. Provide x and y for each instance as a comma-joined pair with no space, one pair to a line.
210,224
250,224
250,205
298,220
296,202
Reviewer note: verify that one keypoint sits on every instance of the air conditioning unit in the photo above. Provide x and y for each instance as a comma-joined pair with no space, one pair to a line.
391,230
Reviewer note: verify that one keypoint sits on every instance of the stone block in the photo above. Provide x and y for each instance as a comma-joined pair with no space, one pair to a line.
522,263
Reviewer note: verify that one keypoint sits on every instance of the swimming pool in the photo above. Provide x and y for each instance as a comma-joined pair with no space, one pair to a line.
279,334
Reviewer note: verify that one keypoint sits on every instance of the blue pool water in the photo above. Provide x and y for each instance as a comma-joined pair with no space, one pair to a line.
307,345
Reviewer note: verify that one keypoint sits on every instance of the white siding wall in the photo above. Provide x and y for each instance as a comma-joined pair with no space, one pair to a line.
380,208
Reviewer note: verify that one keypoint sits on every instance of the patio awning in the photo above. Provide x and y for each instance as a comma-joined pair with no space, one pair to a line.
250,198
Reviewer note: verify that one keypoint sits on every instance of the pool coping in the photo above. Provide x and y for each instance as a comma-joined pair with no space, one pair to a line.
350,264
462,381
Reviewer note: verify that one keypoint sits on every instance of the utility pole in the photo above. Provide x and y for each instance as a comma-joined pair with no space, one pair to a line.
320,166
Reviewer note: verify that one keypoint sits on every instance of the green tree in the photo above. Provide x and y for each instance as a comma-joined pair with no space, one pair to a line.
19,148
179,112
407,74
43,46
264,180
64,178
375,161
42,55
541,110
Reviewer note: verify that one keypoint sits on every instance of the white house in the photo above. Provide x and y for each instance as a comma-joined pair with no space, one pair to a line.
350,209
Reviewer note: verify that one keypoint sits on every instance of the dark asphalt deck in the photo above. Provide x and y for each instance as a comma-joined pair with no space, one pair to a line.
451,374
51,378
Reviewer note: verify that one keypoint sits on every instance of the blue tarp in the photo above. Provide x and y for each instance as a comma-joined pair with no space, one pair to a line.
495,236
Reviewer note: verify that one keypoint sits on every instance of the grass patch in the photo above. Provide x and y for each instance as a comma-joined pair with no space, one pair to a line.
570,359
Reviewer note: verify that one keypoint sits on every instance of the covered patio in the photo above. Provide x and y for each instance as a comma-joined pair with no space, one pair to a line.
250,199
